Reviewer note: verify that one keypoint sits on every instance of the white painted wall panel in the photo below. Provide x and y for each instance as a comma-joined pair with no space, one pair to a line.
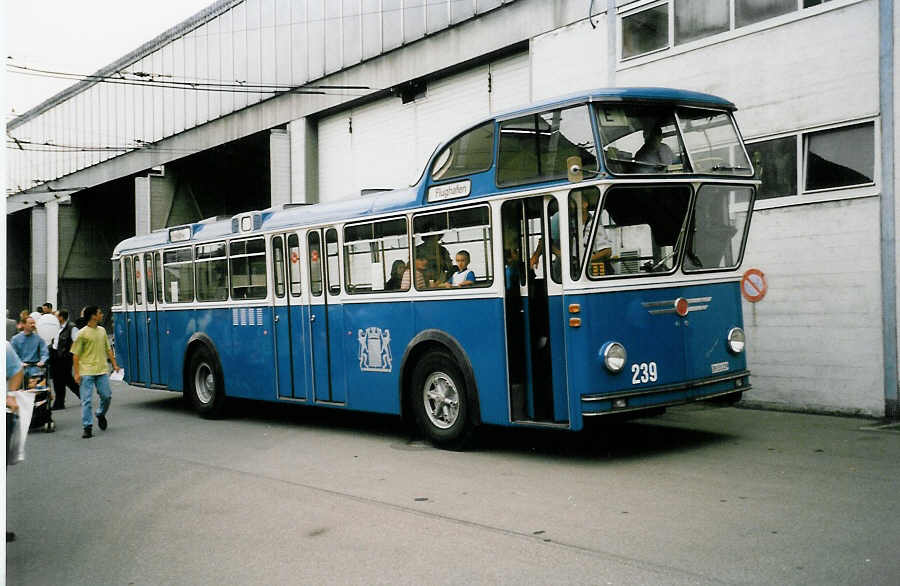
214,66
201,55
254,48
351,32
159,112
333,36
437,15
168,95
336,178
226,52
268,55
241,57
450,105
316,31
814,341
178,96
510,82
283,54
572,59
371,28
383,144
299,40
391,24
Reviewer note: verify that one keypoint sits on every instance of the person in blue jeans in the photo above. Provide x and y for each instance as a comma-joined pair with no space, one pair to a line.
89,353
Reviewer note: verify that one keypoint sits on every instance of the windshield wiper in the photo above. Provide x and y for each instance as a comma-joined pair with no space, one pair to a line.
727,168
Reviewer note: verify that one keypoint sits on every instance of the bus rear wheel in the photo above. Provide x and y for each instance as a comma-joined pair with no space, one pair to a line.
206,384
440,400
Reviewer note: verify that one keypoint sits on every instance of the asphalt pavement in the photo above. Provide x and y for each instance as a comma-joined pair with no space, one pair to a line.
285,494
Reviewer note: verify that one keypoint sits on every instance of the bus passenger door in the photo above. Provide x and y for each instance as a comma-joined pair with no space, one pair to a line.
531,343
290,327
141,356
152,322
325,317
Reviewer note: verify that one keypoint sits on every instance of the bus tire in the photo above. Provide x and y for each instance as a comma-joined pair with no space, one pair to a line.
206,384
440,401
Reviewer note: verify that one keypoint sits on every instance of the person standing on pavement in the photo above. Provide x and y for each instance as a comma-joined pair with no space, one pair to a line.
31,348
61,360
89,353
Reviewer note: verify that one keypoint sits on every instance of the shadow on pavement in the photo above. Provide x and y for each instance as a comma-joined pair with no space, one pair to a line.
605,439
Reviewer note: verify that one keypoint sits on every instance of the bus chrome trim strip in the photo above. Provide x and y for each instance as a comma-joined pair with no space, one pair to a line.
670,305
684,401
666,388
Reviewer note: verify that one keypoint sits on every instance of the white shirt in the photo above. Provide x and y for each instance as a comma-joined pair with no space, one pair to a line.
56,337
47,327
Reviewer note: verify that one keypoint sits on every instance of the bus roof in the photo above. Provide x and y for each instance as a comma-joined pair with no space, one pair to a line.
403,199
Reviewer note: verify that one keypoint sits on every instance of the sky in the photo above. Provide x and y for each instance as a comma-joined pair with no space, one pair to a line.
77,36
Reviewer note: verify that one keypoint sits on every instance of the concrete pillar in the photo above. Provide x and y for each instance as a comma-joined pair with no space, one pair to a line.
141,206
38,256
304,140
52,209
279,166
153,199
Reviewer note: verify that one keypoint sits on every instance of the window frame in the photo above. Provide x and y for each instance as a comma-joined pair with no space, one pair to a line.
429,169
798,13
350,287
265,271
198,261
489,263
167,291
804,196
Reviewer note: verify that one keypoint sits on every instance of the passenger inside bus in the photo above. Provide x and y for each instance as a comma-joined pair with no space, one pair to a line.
421,264
463,276
397,271
438,266
655,155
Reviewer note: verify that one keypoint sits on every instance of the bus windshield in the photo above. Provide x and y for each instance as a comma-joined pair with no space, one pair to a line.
654,139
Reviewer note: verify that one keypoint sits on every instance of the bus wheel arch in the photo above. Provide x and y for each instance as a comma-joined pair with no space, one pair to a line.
204,381
443,352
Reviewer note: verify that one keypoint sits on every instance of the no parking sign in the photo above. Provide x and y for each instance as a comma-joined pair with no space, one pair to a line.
753,285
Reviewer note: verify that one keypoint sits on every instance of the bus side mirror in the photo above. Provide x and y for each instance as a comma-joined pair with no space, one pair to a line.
573,165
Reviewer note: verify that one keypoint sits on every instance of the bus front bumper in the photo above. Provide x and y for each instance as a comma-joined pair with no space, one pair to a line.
666,395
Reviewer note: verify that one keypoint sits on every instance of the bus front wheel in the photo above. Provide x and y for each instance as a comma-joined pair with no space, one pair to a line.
206,385
440,401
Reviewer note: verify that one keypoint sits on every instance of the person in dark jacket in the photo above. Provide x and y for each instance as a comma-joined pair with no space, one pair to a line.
61,360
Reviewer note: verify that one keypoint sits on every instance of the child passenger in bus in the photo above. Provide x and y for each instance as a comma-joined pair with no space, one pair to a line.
463,276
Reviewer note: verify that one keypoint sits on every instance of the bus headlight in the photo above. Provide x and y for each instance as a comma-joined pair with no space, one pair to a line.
736,340
614,356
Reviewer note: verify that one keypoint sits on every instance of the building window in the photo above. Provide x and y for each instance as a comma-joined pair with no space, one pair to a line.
645,31
840,157
695,19
538,147
775,164
832,159
750,11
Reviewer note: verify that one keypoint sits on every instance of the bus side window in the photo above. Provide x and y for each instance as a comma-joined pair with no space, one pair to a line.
212,272
178,275
117,282
315,262
278,265
248,269
376,255
443,239
129,281
159,277
137,280
537,147
294,256
332,253
148,270
472,152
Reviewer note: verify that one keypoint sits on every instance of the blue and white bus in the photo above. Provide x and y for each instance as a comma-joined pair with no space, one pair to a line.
570,260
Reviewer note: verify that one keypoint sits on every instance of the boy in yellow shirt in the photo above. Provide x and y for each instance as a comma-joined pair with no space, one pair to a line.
89,353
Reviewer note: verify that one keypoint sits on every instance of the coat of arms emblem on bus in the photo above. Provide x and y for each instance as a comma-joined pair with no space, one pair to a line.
375,350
